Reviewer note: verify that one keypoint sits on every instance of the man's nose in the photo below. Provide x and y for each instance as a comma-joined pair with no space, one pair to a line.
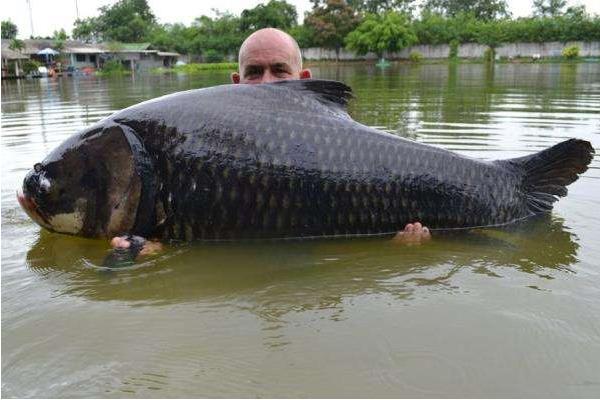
268,77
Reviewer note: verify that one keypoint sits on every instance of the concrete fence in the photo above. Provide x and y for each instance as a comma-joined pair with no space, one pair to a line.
466,50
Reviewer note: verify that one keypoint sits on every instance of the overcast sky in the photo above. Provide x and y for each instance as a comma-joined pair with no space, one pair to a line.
51,15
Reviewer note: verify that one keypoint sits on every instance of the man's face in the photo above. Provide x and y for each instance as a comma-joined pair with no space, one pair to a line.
269,56
263,65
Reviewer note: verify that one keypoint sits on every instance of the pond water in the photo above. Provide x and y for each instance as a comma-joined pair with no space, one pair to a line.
493,312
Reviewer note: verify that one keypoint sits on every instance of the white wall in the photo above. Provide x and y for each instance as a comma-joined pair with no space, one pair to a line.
466,50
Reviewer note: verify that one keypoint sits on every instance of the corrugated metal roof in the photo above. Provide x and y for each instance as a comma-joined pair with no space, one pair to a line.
134,47
32,46
168,54
84,50
9,54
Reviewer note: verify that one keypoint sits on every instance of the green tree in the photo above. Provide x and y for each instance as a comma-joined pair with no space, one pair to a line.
548,8
222,34
577,12
381,6
60,35
304,35
389,32
574,24
9,29
434,28
482,9
275,14
86,30
331,22
16,44
124,21
59,38
173,37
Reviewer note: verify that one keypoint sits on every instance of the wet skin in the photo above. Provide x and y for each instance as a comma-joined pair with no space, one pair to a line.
269,55
150,247
412,234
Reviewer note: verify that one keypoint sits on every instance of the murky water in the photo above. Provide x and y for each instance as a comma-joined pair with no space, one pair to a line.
494,312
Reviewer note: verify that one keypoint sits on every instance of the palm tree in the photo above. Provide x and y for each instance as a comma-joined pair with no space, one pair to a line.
17,45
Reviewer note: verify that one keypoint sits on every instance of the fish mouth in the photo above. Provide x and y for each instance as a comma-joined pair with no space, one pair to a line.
31,208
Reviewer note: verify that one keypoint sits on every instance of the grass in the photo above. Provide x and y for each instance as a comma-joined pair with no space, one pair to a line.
195,68
480,60
113,68
112,73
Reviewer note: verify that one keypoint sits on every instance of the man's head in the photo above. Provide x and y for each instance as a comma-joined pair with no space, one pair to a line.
269,55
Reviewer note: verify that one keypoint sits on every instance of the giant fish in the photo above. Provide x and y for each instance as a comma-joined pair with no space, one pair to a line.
277,160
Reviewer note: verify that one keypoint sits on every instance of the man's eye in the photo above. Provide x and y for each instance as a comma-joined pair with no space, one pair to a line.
253,72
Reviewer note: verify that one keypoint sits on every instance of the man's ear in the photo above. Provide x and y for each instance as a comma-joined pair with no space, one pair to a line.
305,74
235,77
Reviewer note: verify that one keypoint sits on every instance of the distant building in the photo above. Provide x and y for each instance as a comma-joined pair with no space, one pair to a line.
78,54
83,55
74,52
11,60
141,56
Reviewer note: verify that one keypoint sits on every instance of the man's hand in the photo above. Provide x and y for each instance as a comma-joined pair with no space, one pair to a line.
149,246
413,234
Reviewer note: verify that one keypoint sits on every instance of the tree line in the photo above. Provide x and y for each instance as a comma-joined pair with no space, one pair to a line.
363,26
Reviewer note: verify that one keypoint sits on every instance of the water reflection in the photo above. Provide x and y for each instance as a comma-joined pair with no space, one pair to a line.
278,277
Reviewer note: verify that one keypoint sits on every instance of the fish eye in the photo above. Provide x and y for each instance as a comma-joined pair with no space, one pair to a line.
37,167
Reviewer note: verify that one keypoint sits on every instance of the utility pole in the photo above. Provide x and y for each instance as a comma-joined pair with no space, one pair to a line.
30,17
76,9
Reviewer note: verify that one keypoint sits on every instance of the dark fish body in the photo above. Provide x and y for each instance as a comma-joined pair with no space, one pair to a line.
278,161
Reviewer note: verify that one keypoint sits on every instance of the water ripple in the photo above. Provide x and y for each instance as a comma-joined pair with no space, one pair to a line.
492,313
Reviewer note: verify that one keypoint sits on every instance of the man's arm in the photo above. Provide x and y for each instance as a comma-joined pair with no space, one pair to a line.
128,248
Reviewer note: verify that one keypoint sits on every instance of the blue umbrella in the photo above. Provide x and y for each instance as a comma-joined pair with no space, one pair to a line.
48,52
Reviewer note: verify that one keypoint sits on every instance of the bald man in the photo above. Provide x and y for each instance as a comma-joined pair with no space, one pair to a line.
269,55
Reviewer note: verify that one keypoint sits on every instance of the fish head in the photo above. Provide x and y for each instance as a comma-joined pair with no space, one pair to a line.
88,186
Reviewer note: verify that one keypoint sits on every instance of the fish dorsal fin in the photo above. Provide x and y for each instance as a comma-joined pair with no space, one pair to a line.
330,93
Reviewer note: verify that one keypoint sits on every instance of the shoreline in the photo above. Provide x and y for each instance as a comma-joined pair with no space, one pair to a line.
199,68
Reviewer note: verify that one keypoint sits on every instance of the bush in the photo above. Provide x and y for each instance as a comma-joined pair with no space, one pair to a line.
30,66
379,34
195,68
570,52
415,56
489,55
453,48
113,67
212,56
434,28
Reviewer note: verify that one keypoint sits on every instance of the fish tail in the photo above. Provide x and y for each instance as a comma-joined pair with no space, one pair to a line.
548,172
